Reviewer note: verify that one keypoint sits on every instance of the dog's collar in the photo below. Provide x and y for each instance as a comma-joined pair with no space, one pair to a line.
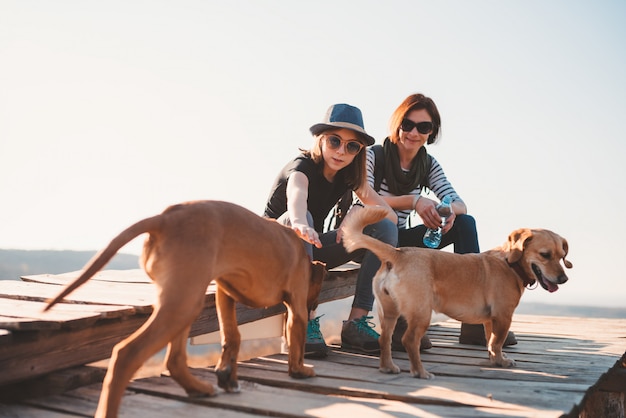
528,281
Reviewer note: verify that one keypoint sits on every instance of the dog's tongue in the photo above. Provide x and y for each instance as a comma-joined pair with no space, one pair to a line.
551,286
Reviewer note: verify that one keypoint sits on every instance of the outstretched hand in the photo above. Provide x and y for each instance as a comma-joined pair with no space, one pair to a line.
308,234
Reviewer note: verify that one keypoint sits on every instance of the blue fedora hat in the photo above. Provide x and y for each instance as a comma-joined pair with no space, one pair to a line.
343,116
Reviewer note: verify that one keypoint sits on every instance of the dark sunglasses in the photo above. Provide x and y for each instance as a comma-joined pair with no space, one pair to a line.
335,141
422,127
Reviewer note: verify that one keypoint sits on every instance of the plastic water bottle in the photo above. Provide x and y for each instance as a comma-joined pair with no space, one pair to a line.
432,237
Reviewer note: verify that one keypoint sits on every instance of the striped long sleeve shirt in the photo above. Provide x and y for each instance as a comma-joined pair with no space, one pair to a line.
437,180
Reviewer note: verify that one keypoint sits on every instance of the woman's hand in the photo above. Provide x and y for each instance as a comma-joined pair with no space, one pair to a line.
308,234
427,210
449,222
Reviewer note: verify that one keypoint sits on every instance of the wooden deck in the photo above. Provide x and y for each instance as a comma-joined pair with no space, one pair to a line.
564,365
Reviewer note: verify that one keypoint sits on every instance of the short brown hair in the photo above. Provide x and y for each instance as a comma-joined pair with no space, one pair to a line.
415,102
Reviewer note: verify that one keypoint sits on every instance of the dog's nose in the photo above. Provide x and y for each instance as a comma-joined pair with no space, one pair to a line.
562,279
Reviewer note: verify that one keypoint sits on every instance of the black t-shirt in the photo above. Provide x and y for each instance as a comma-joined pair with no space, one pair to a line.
323,195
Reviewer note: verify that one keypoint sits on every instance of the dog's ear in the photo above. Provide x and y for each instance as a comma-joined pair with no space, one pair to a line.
318,274
566,249
515,245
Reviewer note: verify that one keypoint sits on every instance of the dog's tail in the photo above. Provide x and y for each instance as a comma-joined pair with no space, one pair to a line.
354,238
104,256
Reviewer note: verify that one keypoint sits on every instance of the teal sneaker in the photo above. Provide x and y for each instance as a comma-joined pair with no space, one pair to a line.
359,335
315,346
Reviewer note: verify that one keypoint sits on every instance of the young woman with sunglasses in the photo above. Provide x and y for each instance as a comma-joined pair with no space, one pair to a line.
305,192
406,170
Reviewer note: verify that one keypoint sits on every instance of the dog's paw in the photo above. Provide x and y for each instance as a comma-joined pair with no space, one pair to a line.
507,362
391,369
303,373
201,390
424,375
226,381
502,361
230,386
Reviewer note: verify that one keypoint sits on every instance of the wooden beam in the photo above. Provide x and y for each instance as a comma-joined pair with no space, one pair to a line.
31,354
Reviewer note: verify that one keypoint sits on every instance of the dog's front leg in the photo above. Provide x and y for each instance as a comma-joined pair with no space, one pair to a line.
500,330
177,365
226,368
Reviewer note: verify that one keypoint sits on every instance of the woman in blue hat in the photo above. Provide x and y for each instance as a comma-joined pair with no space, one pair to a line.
305,192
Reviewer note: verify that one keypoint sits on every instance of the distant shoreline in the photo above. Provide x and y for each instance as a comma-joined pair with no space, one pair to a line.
534,308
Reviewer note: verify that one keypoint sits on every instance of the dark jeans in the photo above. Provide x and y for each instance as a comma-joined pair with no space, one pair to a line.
334,254
463,235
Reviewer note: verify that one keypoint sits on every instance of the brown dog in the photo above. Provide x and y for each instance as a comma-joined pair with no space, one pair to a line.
253,260
474,288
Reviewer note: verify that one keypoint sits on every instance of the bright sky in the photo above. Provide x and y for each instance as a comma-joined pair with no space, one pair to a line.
111,111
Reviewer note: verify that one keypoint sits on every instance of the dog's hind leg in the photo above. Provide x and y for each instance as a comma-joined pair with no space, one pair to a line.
388,317
226,368
176,360
417,325
128,356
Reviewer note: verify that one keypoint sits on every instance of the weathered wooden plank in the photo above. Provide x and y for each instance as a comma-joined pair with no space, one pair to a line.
351,384
265,399
52,384
163,398
83,402
478,392
66,315
139,296
566,337
27,324
570,326
120,276
26,411
34,354
452,364
366,367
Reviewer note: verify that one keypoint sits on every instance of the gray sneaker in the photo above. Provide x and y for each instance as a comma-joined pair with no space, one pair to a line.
359,335
315,346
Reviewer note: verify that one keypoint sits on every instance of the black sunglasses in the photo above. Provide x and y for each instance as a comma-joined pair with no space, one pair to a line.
422,127
335,141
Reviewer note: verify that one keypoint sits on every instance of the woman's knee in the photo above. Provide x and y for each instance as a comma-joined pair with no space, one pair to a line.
464,235
385,231
465,224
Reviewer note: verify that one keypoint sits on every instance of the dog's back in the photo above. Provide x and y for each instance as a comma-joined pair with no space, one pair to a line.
206,233
446,279
220,231
217,243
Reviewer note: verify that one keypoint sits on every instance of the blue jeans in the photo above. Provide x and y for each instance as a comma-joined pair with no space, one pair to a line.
463,235
334,254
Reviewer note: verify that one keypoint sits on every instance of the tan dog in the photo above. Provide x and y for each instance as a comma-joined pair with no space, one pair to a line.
480,288
253,260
